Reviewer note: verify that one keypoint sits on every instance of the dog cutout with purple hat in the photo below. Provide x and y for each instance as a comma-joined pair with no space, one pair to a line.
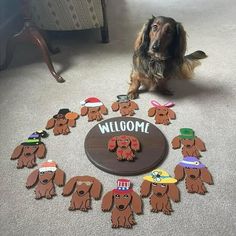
195,174
123,201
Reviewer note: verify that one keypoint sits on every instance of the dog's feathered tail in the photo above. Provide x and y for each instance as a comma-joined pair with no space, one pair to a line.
190,62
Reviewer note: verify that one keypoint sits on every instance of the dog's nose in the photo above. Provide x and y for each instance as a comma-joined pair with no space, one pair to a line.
28,154
81,192
188,145
121,207
192,176
159,194
45,181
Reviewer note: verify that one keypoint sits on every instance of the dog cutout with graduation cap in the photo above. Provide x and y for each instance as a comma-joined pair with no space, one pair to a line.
125,105
93,108
162,113
28,151
192,145
195,174
162,188
62,121
124,201
45,177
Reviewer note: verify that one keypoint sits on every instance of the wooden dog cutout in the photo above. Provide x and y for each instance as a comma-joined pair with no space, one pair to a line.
162,113
45,177
195,174
123,201
62,121
86,187
125,147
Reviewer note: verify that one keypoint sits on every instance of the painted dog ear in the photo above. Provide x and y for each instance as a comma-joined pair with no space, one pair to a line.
17,152
171,114
50,123
107,201
173,192
176,142
145,188
152,111
115,106
84,111
112,144
134,143
136,203
70,186
103,110
199,144
142,40
41,151
59,178
96,188
206,176
134,105
32,179
179,172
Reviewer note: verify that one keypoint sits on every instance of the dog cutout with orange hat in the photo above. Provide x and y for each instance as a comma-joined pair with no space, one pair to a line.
124,201
163,188
44,178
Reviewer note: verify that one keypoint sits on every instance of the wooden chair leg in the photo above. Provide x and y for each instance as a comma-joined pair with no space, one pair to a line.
104,29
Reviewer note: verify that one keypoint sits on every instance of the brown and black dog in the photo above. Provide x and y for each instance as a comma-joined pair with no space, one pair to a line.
86,187
159,55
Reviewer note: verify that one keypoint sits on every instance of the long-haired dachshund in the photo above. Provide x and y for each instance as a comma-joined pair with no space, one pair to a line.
161,195
195,175
45,177
125,147
159,55
86,187
27,152
124,204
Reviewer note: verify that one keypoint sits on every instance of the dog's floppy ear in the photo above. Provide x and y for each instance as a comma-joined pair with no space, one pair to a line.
96,188
179,172
107,201
134,105
84,111
171,114
152,111
115,106
173,192
32,179
17,152
134,143
59,178
180,43
145,188
206,176
72,122
199,144
50,123
103,110
142,40
70,186
41,151
112,143
176,142
136,203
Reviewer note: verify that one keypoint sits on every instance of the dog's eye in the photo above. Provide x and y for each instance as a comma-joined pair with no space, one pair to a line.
163,185
126,196
117,196
154,28
41,173
154,184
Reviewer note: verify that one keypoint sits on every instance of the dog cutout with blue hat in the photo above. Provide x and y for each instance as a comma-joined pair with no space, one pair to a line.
124,105
195,174
163,188
192,145
28,151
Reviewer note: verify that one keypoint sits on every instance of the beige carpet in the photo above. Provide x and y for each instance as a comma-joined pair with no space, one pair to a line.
29,96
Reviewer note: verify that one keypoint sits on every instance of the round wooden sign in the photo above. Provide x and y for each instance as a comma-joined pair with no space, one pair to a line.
139,145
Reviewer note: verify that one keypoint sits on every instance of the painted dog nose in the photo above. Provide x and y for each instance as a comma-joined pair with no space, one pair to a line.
45,181
121,207
192,176
81,192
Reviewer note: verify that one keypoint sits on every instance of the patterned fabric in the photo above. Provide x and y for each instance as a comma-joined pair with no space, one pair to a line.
67,14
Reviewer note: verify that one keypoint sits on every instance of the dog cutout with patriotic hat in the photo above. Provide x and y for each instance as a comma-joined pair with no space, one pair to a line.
162,188
93,108
123,186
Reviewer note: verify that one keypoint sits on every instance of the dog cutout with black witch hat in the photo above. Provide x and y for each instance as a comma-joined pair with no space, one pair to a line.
62,121
195,174
124,202
44,178
125,105
191,143
28,151
163,188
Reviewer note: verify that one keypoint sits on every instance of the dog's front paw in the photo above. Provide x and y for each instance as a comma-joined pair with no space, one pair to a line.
133,95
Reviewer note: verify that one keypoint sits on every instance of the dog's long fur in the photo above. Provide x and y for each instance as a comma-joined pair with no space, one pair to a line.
86,187
152,68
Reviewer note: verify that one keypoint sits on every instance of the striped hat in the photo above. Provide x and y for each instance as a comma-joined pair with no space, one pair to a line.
48,166
123,186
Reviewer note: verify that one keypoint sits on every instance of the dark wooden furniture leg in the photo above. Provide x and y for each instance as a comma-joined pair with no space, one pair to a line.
30,32
104,29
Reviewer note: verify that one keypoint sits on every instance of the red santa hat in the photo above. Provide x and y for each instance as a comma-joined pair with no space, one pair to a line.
123,186
48,166
91,102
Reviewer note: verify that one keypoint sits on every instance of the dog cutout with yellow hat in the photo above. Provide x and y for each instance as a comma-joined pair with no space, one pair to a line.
163,188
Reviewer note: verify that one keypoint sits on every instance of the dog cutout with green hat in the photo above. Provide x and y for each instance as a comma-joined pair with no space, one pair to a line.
192,145
163,188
